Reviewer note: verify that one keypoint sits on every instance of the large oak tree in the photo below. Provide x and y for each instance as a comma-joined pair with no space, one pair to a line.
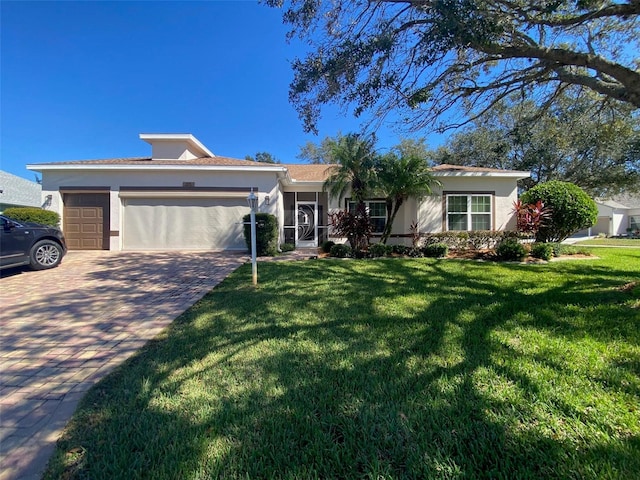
573,141
420,58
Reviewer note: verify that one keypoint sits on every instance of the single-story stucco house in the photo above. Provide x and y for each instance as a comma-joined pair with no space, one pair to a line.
18,192
617,215
185,197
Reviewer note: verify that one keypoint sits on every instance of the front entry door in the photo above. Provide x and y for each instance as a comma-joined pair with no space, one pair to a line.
306,225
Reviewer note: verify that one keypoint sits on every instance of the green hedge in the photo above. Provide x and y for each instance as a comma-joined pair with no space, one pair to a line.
266,234
476,239
33,214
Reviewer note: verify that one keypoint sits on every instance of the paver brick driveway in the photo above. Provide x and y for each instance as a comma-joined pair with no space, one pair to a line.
63,329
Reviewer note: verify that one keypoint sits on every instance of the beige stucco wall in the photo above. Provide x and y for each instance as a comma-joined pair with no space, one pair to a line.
430,211
266,183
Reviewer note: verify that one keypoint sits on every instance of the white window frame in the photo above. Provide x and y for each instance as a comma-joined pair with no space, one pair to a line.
469,213
351,205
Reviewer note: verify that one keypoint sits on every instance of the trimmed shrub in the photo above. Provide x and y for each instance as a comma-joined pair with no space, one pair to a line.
266,234
571,209
574,250
437,250
380,250
400,249
511,249
475,239
287,247
326,246
479,239
557,248
415,253
340,250
453,239
33,214
542,250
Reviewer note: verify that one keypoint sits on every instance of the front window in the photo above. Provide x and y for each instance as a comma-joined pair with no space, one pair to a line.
468,212
377,211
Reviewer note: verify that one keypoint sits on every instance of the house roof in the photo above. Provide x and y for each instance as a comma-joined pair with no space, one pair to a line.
624,200
612,204
148,162
311,173
446,169
18,191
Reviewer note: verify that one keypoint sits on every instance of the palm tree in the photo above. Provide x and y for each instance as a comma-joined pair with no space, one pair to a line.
398,178
354,169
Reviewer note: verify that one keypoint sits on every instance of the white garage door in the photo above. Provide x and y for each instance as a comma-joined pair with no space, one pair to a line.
184,223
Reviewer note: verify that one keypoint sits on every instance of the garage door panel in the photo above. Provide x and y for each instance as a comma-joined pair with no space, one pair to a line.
184,223
84,219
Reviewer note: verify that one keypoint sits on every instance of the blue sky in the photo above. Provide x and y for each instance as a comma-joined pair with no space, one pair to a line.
81,80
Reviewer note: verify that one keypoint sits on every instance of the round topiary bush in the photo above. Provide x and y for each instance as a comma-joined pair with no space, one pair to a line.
571,209
511,249
340,250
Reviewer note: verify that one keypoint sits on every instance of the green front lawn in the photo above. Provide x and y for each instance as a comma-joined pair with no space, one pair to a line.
394,368
616,242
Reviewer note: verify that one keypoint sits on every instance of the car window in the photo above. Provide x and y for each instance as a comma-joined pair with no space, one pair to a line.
6,220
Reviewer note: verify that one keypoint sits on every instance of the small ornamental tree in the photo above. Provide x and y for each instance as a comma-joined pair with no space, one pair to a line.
356,226
571,209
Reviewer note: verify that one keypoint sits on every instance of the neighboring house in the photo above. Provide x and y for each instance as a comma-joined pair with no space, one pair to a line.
617,215
185,197
18,192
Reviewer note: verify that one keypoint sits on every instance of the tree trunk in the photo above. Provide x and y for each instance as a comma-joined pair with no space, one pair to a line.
392,211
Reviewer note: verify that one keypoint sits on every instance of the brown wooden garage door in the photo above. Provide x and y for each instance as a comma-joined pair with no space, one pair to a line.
86,220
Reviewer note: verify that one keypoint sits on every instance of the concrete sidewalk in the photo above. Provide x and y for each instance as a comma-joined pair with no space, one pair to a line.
64,329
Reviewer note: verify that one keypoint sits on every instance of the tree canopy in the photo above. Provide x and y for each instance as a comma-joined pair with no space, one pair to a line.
575,140
263,157
400,176
420,58
355,157
320,153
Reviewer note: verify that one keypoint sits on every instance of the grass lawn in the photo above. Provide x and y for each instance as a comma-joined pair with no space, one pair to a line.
616,242
393,368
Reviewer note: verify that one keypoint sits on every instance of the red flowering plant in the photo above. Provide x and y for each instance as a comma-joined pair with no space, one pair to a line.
355,226
531,216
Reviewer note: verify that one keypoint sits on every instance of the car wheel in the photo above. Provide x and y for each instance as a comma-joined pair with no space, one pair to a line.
45,254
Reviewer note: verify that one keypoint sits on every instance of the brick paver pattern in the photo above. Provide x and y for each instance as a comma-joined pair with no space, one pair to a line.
62,330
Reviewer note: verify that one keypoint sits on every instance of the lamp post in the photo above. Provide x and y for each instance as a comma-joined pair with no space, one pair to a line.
252,200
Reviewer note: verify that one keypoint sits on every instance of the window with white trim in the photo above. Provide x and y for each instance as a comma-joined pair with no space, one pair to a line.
377,211
469,212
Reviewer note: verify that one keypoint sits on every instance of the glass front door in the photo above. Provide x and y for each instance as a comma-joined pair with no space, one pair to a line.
306,225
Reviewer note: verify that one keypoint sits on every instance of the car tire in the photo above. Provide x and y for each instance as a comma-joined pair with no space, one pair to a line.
45,254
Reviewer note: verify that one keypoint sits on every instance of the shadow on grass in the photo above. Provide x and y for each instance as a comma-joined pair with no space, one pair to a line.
387,369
